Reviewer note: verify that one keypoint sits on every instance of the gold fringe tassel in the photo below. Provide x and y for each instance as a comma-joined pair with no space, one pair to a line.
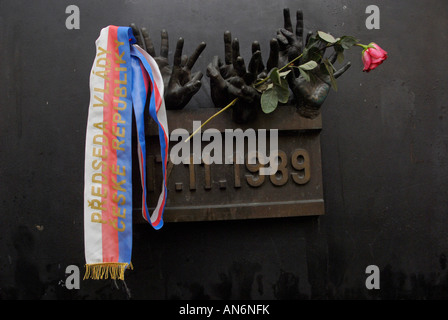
113,270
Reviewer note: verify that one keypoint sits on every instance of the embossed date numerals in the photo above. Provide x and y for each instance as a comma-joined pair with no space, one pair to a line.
297,167
300,162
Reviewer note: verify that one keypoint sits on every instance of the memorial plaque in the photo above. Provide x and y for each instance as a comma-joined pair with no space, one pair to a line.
199,192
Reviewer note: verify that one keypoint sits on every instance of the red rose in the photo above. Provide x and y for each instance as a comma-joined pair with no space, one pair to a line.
373,56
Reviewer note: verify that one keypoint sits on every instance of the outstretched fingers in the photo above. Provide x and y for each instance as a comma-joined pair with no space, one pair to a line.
197,76
255,46
235,51
299,25
237,60
136,33
194,57
192,86
273,55
255,64
227,47
287,19
341,71
178,53
240,66
214,65
149,46
214,74
164,45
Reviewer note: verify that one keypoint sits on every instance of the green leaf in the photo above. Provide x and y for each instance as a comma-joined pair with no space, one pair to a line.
314,53
348,41
310,65
330,70
313,39
339,50
282,91
326,37
311,46
284,74
269,100
263,87
275,76
305,75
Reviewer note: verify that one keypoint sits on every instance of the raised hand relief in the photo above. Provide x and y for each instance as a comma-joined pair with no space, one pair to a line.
179,81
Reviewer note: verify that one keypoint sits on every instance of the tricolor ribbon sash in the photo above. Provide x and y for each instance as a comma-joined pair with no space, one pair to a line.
123,78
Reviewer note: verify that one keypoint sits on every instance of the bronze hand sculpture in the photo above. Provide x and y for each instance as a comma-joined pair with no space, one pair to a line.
179,82
310,95
231,79
290,43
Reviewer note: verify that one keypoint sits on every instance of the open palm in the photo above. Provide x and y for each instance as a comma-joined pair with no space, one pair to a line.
179,82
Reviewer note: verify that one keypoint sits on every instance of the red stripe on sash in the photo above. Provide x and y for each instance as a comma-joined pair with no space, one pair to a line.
109,234
158,98
142,160
158,101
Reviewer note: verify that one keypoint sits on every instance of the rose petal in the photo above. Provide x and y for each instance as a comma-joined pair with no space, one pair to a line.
379,49
375,53
374,65
366,60
377,60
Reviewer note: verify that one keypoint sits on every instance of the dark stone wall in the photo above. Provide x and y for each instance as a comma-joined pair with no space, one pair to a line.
384,148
